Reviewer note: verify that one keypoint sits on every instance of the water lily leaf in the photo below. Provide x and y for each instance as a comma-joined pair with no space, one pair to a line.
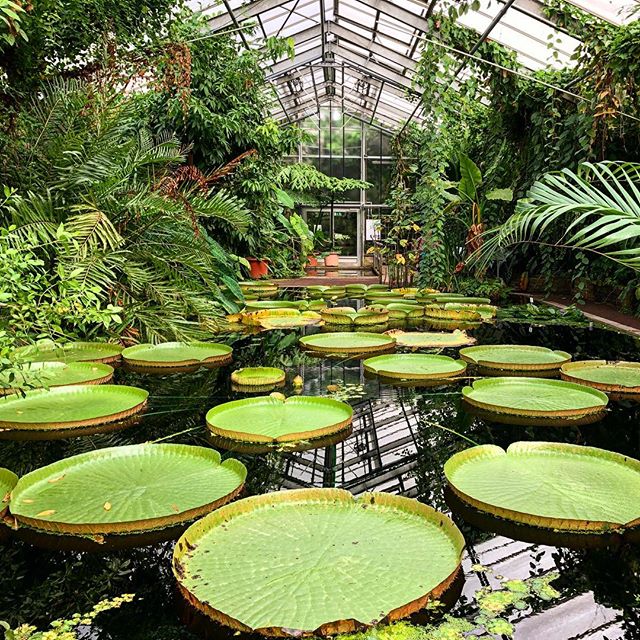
612,377
177,354
316,561
349,343
258,376
552,485
126,489
430,339
56,374
415,366
534,397
69,407
515,357
70,352
276,420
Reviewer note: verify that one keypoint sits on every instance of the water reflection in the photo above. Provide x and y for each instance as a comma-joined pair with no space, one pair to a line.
401,438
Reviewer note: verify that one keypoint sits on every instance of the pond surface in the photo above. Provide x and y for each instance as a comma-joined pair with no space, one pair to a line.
400,441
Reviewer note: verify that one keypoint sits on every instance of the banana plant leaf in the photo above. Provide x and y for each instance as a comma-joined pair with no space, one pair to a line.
415,366
257,376
274,421
69,407
177,354
346,342
430,339
48,351
511,357
535,397
56,374
127,489
552,485
613,377
317,561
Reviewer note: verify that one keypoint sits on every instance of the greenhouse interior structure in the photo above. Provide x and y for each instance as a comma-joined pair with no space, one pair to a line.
320,319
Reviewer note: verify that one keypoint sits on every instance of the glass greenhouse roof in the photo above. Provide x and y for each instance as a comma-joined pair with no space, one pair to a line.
362,54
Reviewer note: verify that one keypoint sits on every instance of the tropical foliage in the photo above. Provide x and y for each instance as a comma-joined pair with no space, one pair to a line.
594,209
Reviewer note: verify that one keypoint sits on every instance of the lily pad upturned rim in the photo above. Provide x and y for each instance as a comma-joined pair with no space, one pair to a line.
257,376
88,373
8,480
138,355
56,393
563,524
349,315
599,407
570,372
469,354
54,472
370,500
379,365
110,352
322,342
430,339
291,437
464,315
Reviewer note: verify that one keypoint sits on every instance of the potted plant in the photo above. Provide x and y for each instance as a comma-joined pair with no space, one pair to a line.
258,267
331,259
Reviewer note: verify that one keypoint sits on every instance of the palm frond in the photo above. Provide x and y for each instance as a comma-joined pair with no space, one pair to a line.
595,209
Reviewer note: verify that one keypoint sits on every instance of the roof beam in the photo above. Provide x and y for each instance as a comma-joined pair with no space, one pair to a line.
396,11
245,12
343,33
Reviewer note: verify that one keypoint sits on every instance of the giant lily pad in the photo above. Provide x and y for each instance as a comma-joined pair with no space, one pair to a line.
486,311
267,421
274,304
48,351
553,485
348,343
400,310
56,374
41,412
415,366
510,357
126,490
8,481
458,315
317,561
177,354
348,315
621,378
552,400
430,339
444,298
258,376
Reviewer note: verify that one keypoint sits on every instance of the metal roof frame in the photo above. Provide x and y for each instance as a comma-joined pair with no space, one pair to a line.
379,42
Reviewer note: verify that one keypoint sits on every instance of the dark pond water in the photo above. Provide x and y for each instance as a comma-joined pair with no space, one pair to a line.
398,445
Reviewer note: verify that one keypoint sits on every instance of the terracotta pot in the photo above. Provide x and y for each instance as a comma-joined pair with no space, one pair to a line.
312,264
258,268
332,260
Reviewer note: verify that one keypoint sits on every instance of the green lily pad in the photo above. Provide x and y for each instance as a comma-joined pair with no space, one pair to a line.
56,374
552,485
274,304
258,376
535,397
68,408
274,422
8,481
316,561
459,315
346,342
511,357
177,354
348,316
404,310
415,366
48,351
430,339
124,490
444,298
613,377
486,311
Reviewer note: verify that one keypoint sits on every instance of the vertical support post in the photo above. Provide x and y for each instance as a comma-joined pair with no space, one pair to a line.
360,223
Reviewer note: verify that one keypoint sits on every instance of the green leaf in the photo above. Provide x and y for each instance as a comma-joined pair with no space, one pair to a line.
500,194
471,178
